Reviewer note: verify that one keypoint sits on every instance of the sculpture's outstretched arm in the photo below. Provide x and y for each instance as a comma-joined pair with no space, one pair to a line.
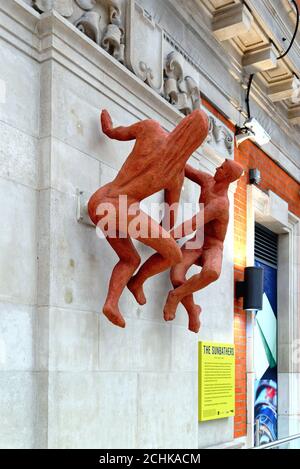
118,133
197,176
207,214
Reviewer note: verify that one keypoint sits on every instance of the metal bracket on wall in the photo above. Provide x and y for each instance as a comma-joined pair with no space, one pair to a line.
82,212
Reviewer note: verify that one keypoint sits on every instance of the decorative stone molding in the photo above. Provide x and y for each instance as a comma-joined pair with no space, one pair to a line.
288,89
260,46
113,39
296,91
144,46
219,132
260,59
294,115
182,92
231,21
100,20
269,209
92,65
128,32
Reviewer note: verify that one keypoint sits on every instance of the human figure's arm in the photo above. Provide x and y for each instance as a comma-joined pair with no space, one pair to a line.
197,176
210,212
118,133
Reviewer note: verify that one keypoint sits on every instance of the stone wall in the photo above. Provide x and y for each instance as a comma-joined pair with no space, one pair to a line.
69,379
19,154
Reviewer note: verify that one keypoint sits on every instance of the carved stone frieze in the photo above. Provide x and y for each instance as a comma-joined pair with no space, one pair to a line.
144,46
100,20
181,91
219,132
128,33
296,91
294,115
287,89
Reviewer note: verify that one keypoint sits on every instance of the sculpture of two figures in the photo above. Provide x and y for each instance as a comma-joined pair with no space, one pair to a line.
158,161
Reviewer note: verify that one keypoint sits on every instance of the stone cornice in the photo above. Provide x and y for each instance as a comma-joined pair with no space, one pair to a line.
20,26
277,16
289,160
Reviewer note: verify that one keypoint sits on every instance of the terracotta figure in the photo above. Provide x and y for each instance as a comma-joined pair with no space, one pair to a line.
215,205
156,162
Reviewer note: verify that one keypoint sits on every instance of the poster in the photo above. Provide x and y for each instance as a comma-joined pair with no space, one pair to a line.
216,380
265,361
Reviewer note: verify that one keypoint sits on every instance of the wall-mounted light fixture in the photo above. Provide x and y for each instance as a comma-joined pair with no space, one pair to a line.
251,289
254,176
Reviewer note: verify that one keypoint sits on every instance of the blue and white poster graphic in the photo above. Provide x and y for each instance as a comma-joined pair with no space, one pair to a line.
265,361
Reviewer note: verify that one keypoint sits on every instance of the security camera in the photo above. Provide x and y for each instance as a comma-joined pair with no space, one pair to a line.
252,130
242,135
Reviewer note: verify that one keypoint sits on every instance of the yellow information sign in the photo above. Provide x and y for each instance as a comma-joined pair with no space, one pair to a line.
216,380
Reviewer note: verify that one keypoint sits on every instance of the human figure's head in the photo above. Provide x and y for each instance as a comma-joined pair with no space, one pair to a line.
228,172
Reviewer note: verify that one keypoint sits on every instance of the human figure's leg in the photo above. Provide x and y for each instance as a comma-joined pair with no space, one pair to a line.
178,278
149,233
122,272
168,254
212,263
178,271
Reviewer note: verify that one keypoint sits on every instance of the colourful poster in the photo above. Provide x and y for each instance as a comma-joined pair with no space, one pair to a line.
265,361
216,380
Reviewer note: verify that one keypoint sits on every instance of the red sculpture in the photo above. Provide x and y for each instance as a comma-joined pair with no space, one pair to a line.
216,216
156,162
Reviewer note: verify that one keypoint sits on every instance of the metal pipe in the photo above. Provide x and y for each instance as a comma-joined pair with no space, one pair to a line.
257,432
278,442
